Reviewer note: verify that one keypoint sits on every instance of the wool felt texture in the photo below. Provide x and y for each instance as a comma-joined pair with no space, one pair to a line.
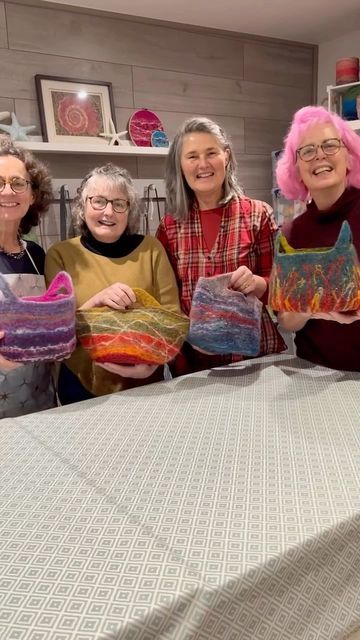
38,328
316,280
223,320
146,333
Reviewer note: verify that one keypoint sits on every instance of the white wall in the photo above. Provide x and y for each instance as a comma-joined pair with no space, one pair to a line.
331,51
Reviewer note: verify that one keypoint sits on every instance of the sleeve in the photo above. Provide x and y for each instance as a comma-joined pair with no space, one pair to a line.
53,263
164,280
265,246
163,237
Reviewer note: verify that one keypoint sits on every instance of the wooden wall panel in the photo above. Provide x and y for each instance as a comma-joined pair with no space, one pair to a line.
6,104
118,40
281,64
17,74
255,172
264,136
216,96
250,86
64,166
3,32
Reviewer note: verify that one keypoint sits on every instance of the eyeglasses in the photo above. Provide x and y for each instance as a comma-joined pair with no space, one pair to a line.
17,185
99,203
329,147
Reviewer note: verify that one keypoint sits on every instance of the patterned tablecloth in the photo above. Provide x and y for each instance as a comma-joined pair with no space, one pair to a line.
222,505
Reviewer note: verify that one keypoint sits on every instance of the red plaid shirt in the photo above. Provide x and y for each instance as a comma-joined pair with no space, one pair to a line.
246,237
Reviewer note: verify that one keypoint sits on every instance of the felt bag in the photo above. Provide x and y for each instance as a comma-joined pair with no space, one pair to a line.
146,333
316,280
38,328
222,320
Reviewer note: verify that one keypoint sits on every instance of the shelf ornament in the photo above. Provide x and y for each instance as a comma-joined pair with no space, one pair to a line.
16,131
114,137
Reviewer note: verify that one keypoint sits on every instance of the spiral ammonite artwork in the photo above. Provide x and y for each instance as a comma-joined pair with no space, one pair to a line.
75,115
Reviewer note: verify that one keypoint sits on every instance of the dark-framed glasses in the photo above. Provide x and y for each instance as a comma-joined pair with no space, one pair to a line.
17,185
329,147
99,203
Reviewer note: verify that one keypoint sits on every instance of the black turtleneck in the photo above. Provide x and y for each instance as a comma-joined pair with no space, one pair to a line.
316,228
118,249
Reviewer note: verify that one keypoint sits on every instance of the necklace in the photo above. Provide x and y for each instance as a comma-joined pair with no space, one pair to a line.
19,254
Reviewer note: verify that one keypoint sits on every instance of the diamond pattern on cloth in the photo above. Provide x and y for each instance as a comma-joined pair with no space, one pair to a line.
221,505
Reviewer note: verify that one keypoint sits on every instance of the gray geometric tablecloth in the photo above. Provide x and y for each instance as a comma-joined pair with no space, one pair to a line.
223,505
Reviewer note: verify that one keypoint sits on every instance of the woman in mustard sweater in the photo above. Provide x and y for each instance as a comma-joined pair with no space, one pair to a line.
106,262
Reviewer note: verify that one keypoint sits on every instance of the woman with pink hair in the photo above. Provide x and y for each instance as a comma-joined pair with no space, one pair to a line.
321,165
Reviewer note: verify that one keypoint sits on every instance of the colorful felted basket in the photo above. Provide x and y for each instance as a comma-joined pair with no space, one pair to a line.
223,320
316,280
38,328
144,334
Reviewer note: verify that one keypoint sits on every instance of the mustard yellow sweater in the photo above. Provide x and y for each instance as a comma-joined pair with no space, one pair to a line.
146,267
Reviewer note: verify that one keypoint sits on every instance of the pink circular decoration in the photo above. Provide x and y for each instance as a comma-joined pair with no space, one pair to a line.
141,125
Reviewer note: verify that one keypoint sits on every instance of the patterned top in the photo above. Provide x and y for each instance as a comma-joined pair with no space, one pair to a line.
246,237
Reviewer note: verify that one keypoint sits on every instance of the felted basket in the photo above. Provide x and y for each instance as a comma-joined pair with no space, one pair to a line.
146,333
38,328
316,280
222,320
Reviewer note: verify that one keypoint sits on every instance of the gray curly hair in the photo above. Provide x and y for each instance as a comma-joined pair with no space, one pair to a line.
180,197
119,178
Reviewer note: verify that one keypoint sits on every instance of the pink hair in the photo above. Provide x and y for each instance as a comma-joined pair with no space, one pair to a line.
287,174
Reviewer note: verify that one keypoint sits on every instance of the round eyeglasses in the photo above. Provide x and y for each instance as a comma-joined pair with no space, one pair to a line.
99,203
17,185
329,147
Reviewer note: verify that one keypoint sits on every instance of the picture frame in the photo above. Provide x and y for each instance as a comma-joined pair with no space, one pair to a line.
73,110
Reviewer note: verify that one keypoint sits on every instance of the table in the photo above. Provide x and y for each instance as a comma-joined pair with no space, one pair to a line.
220,505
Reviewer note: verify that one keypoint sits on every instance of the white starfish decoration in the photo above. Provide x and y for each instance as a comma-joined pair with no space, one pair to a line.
15,130
4,115
113,135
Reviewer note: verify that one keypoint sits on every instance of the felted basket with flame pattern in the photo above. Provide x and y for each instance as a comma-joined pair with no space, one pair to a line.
146,333
38,328
316,280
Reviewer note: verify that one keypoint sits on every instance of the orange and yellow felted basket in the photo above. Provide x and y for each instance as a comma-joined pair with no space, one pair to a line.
146,333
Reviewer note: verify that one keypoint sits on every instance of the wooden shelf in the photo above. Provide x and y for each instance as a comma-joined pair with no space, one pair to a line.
99,149
341,88
335,97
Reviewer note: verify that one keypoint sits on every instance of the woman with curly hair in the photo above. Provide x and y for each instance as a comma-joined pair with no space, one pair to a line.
106,262
321,165
25,194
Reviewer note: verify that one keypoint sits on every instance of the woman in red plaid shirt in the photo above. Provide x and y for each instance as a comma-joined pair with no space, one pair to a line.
212,228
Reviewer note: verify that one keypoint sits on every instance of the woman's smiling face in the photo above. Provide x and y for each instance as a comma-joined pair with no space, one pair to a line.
104,225
324,174
13,206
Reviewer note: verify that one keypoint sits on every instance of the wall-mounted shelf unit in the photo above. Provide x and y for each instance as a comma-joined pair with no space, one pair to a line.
99,149
335,101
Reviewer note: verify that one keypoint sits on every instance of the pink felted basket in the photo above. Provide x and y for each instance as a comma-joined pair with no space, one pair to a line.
38,328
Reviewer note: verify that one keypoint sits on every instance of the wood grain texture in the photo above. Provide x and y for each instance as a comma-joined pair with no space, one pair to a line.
65,166
3,31
17,78
280,64
118,40
27,112
254,172
191,93
251,87
6,104
264,136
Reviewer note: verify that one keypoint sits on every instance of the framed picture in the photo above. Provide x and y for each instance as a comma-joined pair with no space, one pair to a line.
74,110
